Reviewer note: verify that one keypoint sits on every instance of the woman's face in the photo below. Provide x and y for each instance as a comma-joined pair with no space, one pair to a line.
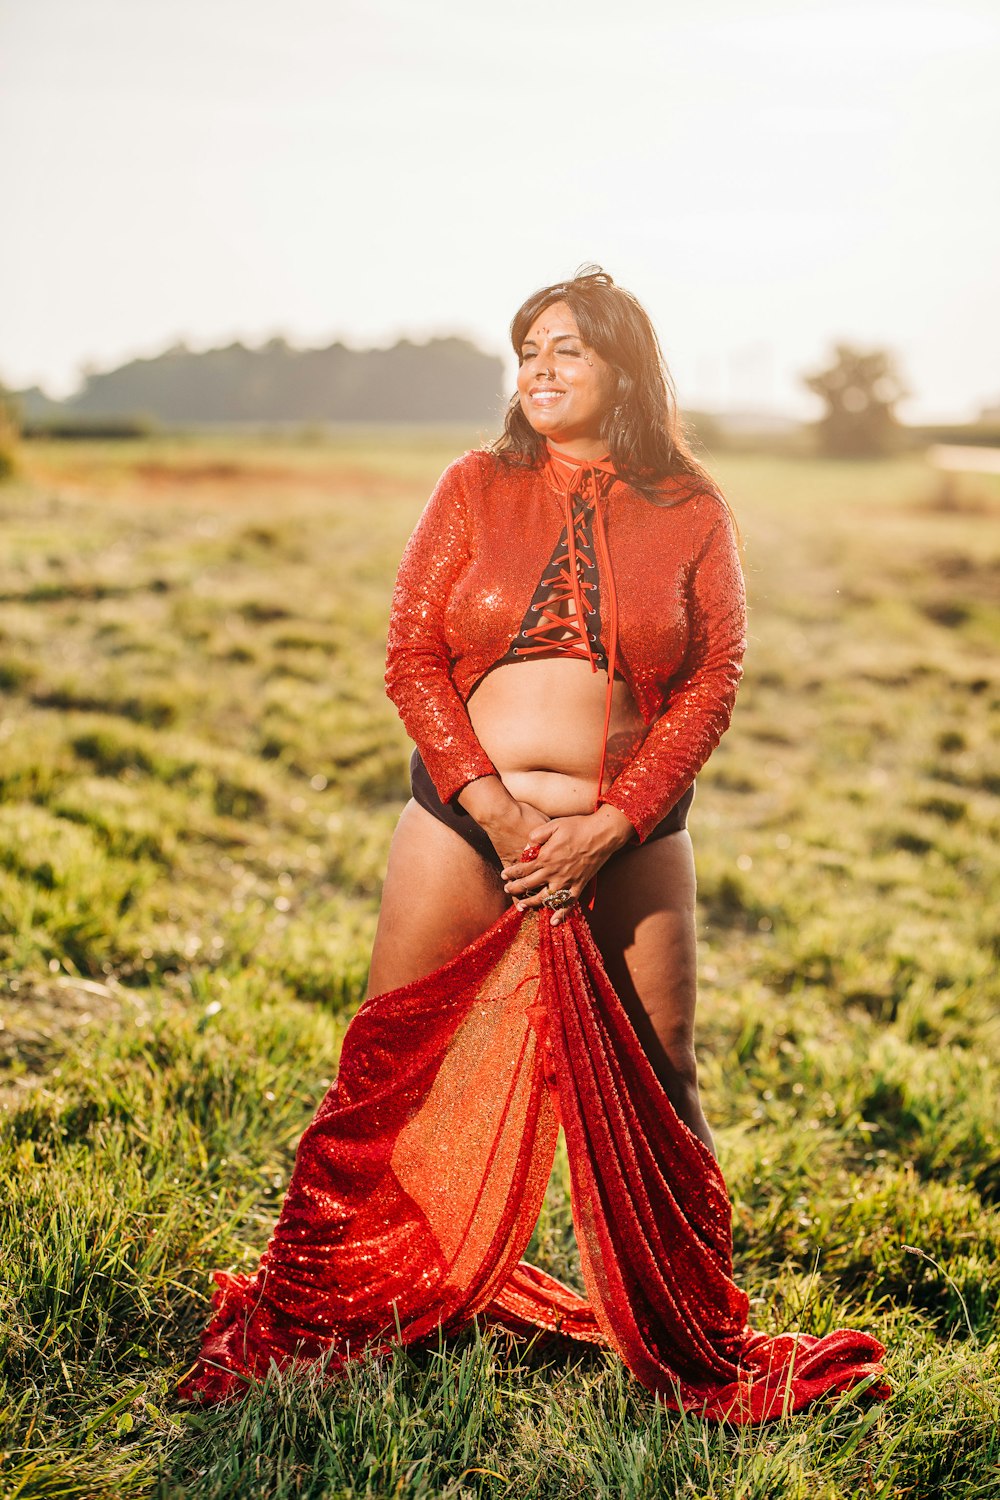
564,387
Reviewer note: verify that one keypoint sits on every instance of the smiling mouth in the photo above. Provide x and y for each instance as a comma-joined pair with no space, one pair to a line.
546,397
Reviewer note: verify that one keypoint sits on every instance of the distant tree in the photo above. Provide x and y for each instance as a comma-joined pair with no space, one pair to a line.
10,431
861,389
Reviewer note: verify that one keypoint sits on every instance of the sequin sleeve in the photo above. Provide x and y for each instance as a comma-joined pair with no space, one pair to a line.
699,700
418,672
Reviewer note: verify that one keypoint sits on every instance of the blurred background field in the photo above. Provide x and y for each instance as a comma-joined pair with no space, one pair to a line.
199,777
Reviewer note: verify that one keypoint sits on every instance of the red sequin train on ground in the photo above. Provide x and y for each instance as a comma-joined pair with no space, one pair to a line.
419,1181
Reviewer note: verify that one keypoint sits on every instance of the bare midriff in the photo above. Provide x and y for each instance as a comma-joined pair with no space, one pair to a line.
541,723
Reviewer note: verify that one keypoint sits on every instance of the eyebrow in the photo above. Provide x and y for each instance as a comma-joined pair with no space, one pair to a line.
556,337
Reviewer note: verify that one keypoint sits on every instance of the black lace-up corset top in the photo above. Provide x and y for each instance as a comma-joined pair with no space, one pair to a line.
563,619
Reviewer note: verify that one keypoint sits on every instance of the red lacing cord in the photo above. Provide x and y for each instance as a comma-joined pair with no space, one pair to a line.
588,475
604,562
565,584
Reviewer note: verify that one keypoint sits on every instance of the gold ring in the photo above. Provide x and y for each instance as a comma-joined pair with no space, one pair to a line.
559,900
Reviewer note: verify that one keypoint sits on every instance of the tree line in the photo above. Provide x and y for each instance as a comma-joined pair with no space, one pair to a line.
445,379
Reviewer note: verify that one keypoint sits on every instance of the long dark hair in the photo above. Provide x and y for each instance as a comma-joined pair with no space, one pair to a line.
641,427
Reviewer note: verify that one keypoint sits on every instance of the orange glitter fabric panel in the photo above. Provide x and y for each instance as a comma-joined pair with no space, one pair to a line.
418,1184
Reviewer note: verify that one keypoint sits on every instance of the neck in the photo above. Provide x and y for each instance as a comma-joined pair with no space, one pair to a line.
578,450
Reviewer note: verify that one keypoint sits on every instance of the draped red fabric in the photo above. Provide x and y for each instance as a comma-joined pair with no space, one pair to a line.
418,1183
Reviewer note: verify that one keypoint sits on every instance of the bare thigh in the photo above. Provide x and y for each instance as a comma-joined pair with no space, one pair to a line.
437,898
644,925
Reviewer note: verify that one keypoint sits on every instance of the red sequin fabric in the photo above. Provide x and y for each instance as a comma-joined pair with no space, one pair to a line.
469,573
418,1183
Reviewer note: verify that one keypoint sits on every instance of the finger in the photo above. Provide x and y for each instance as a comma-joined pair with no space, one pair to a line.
541,897
532,899
532,845
527,883
531,871
542,832
525,863
519,864
535,897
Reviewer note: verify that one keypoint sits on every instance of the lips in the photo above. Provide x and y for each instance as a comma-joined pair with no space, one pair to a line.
546,396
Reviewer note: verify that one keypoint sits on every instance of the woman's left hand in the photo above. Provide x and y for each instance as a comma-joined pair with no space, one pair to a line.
570,853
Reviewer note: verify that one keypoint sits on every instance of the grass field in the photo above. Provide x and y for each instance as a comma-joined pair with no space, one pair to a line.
199,776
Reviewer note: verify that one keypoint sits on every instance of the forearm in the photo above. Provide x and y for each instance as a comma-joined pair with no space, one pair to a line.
486,799
507,821
435,718
699,704
676,748
418,670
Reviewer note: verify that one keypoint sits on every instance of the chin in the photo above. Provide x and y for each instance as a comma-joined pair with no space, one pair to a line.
543,424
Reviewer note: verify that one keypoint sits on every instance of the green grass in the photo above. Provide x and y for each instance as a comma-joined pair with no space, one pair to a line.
199,777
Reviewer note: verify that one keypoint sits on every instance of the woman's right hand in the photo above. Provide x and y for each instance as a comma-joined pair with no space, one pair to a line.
508,824
511,834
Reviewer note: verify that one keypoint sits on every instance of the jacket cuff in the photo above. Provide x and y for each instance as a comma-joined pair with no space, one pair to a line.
450,773
640,814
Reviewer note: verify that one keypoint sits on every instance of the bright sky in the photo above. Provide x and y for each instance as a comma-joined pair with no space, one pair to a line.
766,175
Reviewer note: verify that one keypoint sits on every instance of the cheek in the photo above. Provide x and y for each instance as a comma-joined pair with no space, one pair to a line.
608,387
596,388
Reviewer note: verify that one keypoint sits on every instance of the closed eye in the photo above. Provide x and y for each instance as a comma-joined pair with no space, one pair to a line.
527,354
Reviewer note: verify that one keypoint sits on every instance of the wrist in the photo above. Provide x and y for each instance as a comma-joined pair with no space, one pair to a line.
613,827
487,800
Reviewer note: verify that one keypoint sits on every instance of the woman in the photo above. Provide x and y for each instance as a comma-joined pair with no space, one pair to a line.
532,730
564,648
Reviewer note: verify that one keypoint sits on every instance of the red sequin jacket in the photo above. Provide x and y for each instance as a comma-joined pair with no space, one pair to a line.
471,567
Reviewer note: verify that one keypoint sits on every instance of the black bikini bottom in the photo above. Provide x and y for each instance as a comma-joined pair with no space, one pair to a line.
454,816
